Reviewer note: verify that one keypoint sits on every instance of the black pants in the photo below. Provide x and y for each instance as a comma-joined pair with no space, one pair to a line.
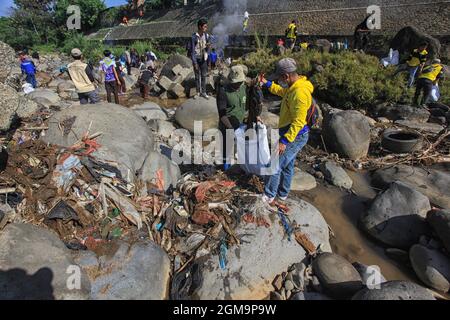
200,75
426,86
112,88
128,68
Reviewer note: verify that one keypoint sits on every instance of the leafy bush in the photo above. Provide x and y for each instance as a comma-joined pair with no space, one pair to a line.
348,80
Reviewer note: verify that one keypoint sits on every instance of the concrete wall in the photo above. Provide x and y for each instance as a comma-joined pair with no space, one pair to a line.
319,17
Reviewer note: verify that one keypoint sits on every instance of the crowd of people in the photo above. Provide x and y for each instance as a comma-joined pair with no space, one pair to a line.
234,93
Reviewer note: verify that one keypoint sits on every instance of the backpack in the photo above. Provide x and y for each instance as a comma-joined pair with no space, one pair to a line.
189,44
312,117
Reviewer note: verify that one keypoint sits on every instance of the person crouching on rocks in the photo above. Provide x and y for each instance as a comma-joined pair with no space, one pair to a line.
296,92
83,78
146,79
426,80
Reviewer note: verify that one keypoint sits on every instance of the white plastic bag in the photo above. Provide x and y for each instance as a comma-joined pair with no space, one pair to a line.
435,94
254,152
392,59
27,88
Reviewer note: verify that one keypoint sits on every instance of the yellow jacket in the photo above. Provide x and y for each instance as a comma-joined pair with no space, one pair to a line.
431,72
294,107
290,32
417,58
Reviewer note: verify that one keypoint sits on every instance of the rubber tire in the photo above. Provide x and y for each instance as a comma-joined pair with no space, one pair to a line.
394,145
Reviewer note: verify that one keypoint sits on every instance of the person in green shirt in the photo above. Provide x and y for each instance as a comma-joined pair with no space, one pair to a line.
231,104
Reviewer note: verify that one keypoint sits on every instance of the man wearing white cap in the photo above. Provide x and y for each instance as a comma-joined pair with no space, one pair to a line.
81,75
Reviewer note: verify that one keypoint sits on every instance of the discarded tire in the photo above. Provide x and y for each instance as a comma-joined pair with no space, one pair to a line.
401,141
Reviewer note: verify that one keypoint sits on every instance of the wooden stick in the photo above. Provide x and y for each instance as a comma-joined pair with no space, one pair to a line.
7,190
34,128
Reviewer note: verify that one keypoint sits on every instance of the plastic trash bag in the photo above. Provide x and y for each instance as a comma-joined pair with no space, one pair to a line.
253,148
27,88
435,93
392,59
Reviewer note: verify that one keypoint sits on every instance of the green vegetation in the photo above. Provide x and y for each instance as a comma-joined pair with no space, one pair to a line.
348,80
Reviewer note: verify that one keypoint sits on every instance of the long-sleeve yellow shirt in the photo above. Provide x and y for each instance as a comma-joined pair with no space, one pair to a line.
294,107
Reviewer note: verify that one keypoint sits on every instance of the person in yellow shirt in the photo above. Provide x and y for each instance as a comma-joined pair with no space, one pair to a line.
291,35
429,77
415,63
296,92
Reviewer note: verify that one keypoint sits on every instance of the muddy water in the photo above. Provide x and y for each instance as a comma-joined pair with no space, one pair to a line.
341,210
133,98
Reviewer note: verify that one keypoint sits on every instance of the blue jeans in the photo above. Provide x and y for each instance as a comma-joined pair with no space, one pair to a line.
280,183
31,79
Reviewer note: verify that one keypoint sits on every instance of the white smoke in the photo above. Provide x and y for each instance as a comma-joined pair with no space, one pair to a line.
229,22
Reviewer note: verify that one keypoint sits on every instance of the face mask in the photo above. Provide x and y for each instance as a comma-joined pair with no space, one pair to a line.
283,84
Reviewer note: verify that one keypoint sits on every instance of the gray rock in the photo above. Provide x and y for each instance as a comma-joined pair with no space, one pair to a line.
370,275
7,64
201,110
35,264
246,275
45,97
402,112
126,138
395,290
155,162
65,85
55,82
150,111
131,80
174,60
161,127
409,38
270,119
337,276
432,183
9,102
305,295
303,181
137,272
336,175
26,107
348,134
397,216
323,45
427,127
439,220
431,266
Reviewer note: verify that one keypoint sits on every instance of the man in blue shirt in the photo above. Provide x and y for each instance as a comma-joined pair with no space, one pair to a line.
28,69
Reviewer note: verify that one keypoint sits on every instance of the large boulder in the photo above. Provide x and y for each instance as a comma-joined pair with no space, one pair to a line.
198,110
150,111
45,97
409,38
156,162
13,106
336,175
439,220
173,61
432,183
35,264
7,63
401,112
9,102
140,271
395,290
126,138
397,216
247,275
431,266
337,276
348,134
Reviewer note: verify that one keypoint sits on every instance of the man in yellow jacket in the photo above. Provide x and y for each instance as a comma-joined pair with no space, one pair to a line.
429,77
296,92
415,63
291,35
